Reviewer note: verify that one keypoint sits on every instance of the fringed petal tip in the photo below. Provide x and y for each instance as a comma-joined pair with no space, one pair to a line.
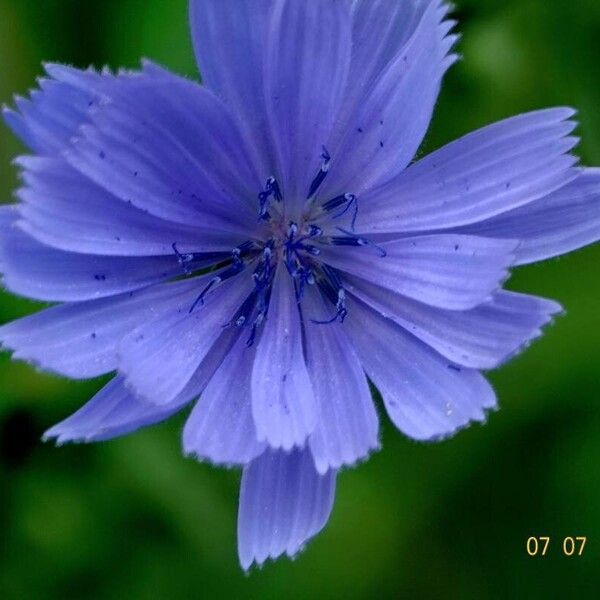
61,438
79,428
248,565
519,161
55,69
111,413
560,222
553,311
284,502
227,456
443,436
71,74
557,311
11,117
351,462
38,365
198,457
154,69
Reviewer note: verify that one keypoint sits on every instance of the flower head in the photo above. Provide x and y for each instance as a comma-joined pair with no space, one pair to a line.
262,242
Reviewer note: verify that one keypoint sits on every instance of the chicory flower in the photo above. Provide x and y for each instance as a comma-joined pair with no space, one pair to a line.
262,245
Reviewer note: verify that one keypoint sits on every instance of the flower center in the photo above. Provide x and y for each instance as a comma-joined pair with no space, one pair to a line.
296,246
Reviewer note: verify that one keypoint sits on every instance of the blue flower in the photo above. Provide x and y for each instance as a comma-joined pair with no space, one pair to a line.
264,242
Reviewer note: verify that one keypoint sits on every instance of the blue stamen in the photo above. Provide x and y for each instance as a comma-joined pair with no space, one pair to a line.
329,283
200,298
331,287
315,231
292,231
183,259
271,189
235,268
263,200
302,277
320,177
348,200
258,301
355,240
264,300
273,185
245,311
244,249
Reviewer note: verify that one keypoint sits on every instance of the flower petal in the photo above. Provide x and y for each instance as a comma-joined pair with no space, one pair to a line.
160,356
455,272
380,30
348,425
66,210
37,271
112,412
117,411
283,403
47,121
427,397
220,428
565,220
307,58
385,121
229,38
170,147
80,340
490,171
50,117
283,503
480,338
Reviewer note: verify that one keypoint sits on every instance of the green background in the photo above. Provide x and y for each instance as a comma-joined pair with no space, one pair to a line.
133,518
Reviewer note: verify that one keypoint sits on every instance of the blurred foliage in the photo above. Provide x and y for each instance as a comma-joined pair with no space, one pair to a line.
132,518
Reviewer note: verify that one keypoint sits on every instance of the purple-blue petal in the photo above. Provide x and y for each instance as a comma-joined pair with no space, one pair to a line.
347,430
81,339
170,147
35,270
427,396
66,210
114,411
380,30
283,403
387,114
283,503
560,222
159,357
220,428
482,338
47,121
229,39
487,172
50,117
455,272
307,58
